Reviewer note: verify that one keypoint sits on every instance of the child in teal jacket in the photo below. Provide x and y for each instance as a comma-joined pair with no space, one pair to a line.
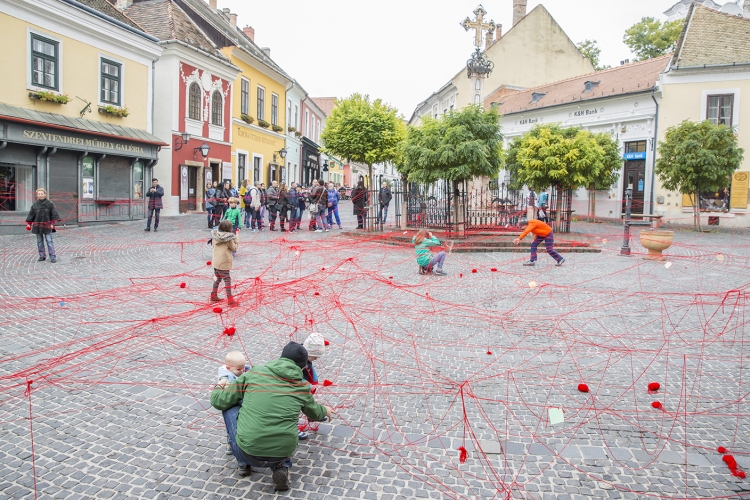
427,262
233,214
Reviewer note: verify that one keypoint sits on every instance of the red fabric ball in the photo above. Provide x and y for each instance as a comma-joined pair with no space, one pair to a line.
461,275
463,455
390,277
654,386
583,388
218,310
182,285
317,293
730,461
473,270
326,342
230,331
327,383
322,268
656,404
721,449
208,263
28,227
494,269
738,473
489,353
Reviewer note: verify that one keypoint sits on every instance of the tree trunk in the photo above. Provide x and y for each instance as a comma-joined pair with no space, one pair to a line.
558,207
460,224
696,211
370,203
592,203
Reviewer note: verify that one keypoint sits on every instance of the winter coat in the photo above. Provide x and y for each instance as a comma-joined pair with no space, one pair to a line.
319,195
385,197
255,195
154,199
273,395
333,197
42,216
283,203
233,215
293,198
222,198
210,198
359,199
272,197
224,244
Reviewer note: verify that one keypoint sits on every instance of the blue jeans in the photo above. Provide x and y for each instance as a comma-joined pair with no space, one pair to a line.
438,260
210,214
230,420
549,242
248,216
153,212
383,213
50,245
334,210
319,222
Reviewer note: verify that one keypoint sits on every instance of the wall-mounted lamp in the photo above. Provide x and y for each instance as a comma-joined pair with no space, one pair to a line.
204,149
325,166
282,152
181,141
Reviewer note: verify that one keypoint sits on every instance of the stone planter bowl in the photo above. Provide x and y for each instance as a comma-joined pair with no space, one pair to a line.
656,242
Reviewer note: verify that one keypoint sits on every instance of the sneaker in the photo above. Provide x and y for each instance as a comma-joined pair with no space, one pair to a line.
529,263
327,230
156,229
340,227
559,263
244,470
439,272
215,298
302,435
147,229
255,230
319,230
229,449
53,260
41,259
281,478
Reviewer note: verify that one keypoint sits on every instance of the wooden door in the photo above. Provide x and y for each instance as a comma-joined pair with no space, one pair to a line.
635,175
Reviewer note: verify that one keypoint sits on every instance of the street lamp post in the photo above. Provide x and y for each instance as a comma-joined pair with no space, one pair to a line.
627,223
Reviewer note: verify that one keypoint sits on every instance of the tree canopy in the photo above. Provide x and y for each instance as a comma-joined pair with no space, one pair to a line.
591,50
364,131
698,157
649,38
456,147
568,158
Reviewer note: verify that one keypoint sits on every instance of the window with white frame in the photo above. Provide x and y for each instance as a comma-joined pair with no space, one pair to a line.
245,97
274,109
111,82
261,103
307,123
217,108
296,116
719,109
194,101
289,112
45,62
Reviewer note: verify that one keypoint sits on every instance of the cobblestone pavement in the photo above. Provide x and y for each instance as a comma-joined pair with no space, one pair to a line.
122,359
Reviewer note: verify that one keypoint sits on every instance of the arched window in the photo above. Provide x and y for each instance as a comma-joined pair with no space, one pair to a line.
194,101
216,108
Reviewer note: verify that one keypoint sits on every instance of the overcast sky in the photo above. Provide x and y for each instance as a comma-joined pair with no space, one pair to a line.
404,50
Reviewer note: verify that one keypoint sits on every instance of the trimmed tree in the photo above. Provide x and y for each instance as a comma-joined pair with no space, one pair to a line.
456,147
649,38
695,157
566,158
609,169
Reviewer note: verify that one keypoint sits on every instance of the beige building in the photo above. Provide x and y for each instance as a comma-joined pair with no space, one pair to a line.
705,81
535,51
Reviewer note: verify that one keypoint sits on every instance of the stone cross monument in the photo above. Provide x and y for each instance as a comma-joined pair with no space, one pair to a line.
479,25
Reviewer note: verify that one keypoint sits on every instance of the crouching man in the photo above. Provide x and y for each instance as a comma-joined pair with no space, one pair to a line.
270,399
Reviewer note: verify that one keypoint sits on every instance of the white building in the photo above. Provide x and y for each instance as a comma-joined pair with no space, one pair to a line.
621,101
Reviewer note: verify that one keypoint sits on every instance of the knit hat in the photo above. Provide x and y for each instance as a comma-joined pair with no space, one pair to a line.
315,345
296,352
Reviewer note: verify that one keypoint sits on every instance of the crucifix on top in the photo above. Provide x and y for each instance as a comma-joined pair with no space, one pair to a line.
479,25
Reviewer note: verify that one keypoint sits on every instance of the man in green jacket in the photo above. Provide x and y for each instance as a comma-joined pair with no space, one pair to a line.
269,399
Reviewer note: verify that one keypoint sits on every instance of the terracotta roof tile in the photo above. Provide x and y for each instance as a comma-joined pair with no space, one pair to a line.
107,8
638,77
326,104
712,38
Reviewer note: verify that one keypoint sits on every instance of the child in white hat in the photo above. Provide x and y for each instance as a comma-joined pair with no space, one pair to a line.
316,347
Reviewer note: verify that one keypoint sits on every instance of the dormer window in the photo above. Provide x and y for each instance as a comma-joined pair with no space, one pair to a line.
536,96
589,86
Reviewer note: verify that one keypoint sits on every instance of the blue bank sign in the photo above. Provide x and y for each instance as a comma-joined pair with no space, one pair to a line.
634,156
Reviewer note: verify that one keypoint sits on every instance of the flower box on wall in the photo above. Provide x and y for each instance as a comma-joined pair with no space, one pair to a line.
263,123
247,118
297,134
114,111
277,128
46,96
291,129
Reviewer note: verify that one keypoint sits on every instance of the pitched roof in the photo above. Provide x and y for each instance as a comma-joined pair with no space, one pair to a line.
628,79
710,38
326,104
167,21
107,8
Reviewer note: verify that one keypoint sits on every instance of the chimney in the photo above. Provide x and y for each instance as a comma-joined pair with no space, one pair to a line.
490,38
519,10
249,32
266,51
233,20
499,32
123,4
747,9
212,4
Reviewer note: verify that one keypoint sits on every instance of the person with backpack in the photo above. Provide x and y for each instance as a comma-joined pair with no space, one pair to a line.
318,204
294,210
542,207
282,206
360,197
253,199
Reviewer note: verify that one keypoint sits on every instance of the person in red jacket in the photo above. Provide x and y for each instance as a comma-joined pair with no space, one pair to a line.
543,233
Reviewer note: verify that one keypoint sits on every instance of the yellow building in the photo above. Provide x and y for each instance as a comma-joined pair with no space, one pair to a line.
75,114
705,81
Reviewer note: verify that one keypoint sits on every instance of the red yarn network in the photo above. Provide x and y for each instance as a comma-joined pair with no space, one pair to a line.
620,374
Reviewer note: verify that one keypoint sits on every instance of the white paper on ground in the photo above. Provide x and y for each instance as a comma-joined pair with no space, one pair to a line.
668,265
555,416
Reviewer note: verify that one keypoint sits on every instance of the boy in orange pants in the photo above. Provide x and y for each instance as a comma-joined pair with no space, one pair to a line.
544,234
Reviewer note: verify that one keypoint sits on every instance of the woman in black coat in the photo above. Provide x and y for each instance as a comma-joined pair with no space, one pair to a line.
359,201
41,220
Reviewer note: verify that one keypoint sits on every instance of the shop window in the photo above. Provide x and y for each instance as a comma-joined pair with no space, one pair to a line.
274,109
137,180
261,103
635,147
16,188
245,97
720,109
216,108
44,62
194,101
111,82
87,171
241,166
